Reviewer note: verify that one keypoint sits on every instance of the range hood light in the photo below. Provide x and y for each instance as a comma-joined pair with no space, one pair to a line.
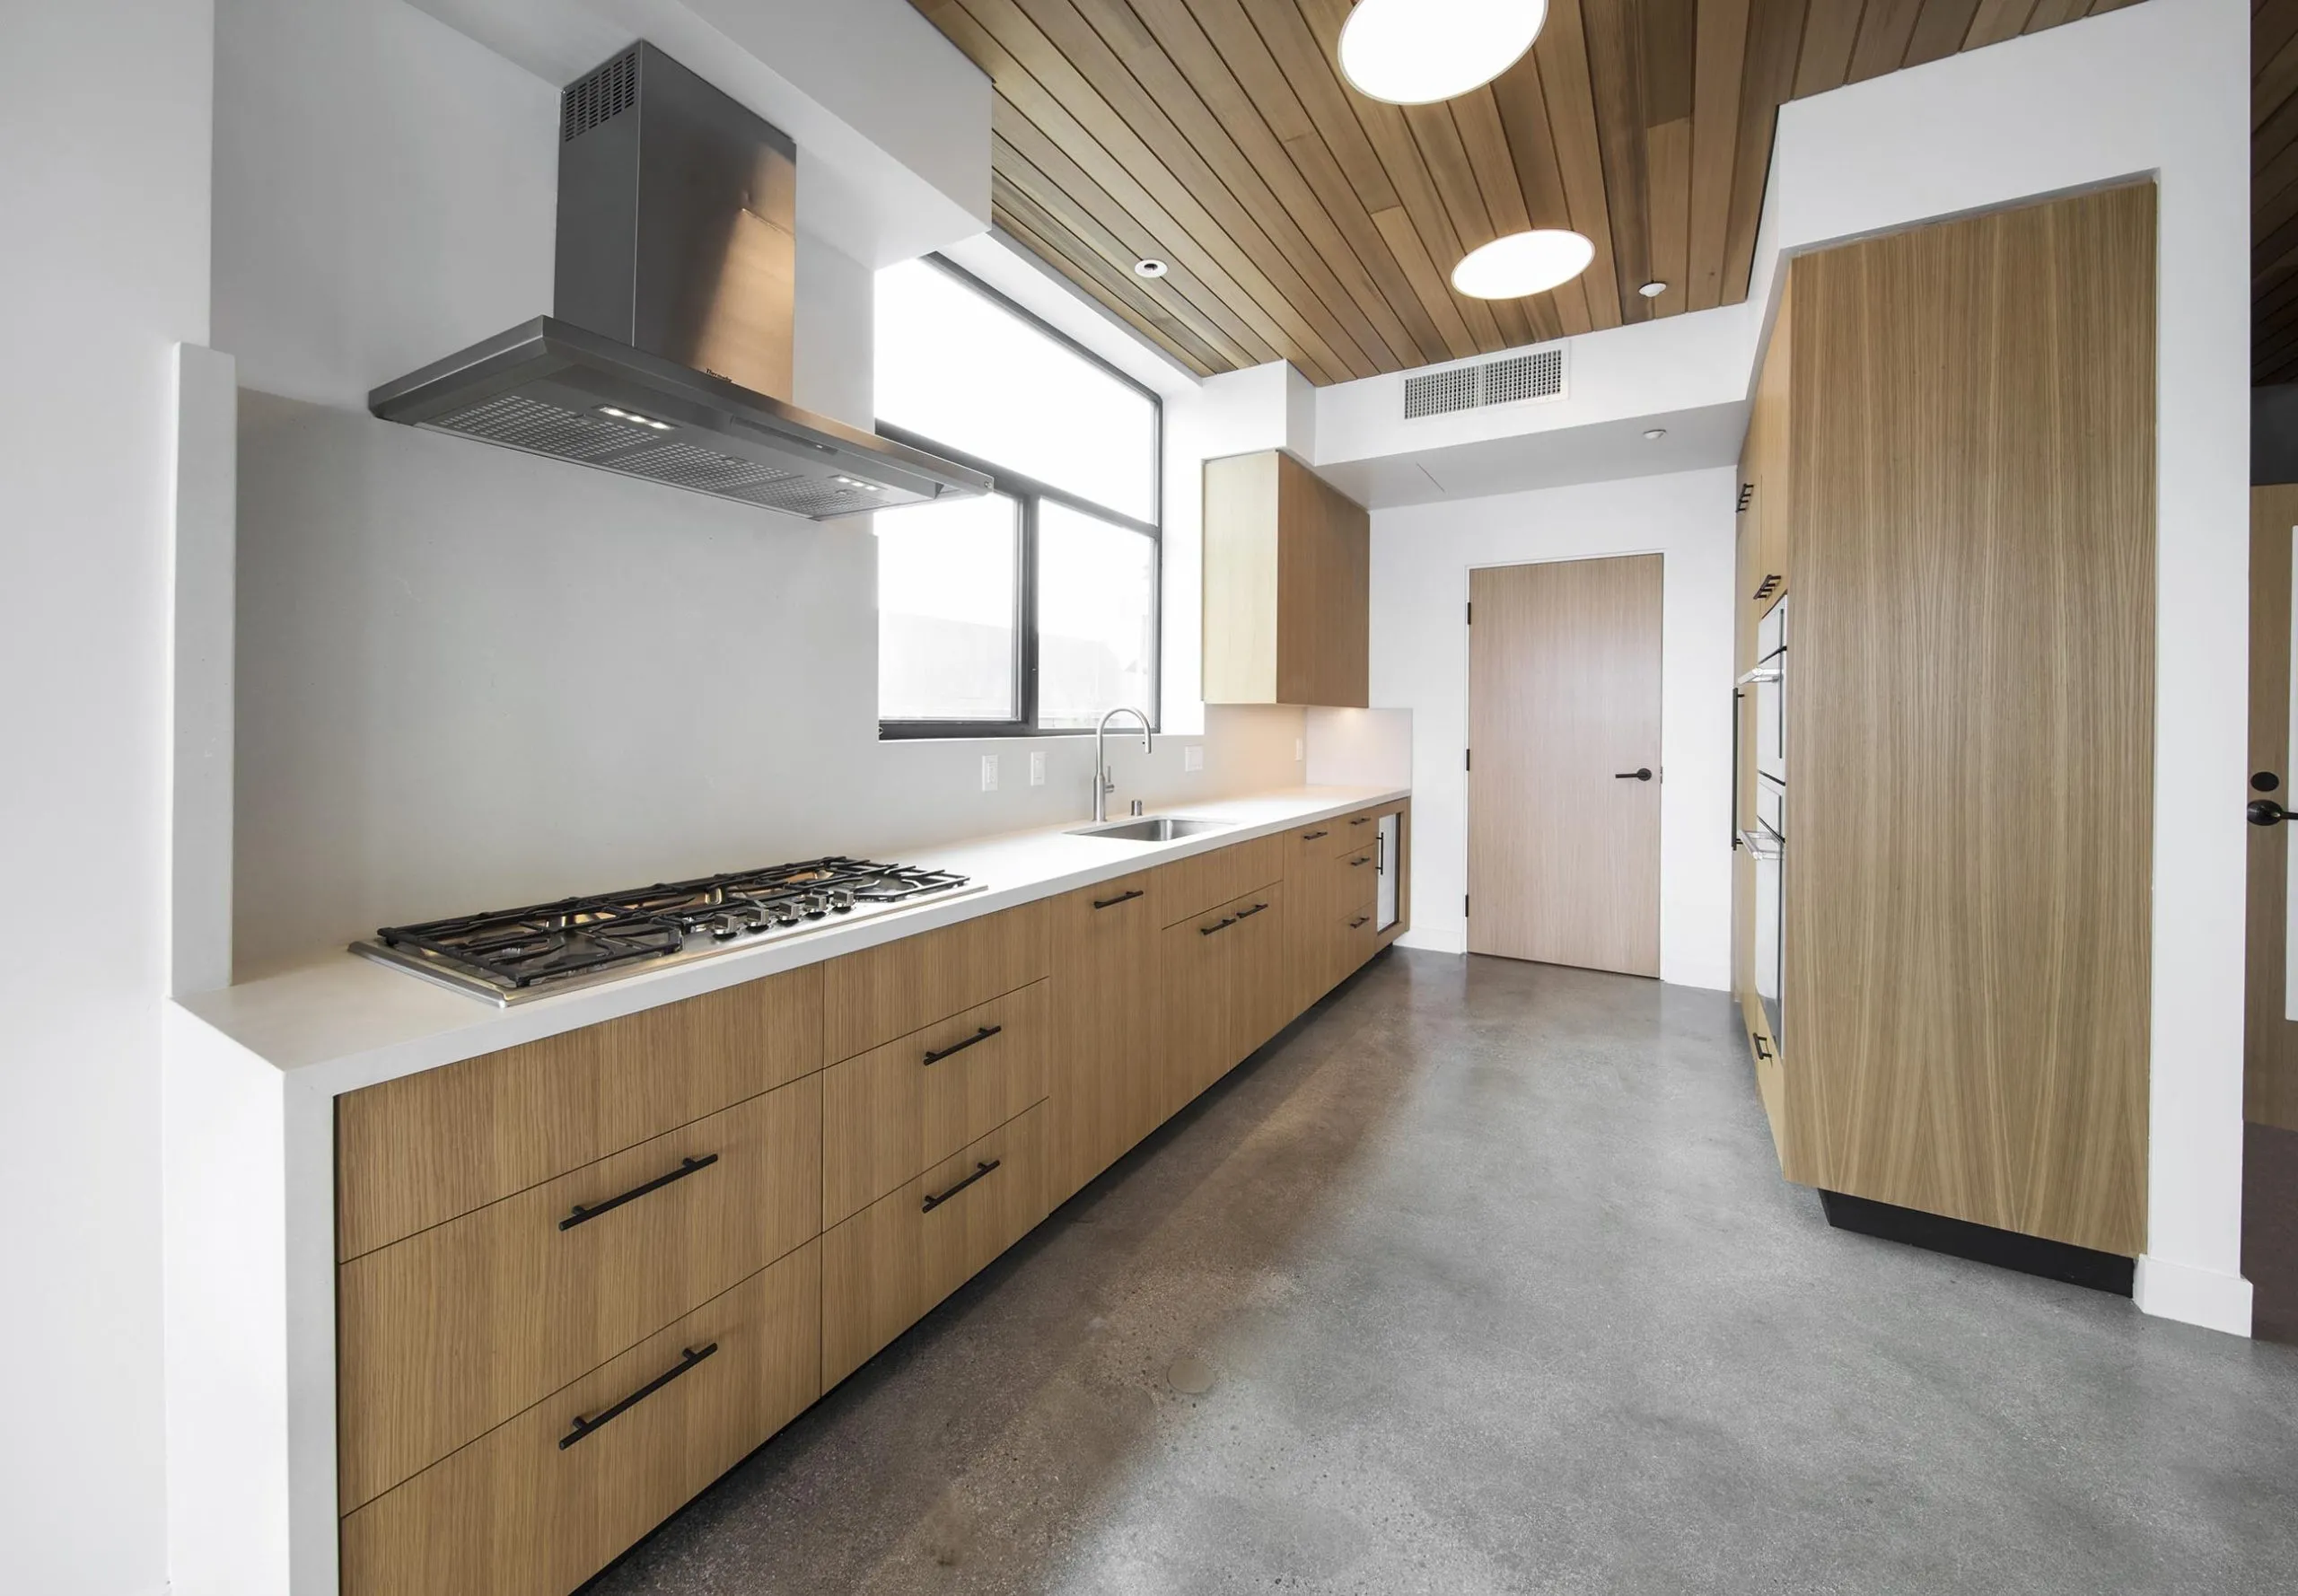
632,417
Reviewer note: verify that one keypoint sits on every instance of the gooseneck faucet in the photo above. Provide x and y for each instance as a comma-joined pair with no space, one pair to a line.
1102,786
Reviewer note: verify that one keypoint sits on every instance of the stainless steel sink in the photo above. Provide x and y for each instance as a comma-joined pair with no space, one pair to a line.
1155,828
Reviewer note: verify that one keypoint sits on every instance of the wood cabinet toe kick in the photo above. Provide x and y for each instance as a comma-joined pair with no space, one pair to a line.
577,1280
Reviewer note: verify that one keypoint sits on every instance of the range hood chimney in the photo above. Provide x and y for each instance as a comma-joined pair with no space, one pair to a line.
670,354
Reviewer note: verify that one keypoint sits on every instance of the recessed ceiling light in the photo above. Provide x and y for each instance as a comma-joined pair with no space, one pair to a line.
1523,263
1656,433
1416,52
1652,290
1149,266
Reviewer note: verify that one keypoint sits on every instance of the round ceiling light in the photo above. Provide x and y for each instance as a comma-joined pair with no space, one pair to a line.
1149,267
1652,290
1656,433
1416,52
1523,263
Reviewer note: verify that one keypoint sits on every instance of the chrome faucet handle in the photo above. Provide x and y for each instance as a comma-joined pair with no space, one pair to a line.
1136,806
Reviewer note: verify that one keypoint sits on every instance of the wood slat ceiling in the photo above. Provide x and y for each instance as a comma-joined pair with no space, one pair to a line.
2273,191
1304,220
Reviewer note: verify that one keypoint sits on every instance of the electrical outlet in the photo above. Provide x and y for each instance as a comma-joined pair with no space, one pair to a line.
1193,757
1299,751
989,773
1037,769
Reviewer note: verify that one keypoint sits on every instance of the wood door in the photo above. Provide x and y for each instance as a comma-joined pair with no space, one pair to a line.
1261,998
1564,696
1194,972
1970,742
2270,1041
1107,1009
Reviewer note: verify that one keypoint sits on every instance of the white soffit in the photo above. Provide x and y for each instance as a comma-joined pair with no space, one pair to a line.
893,138
1603,451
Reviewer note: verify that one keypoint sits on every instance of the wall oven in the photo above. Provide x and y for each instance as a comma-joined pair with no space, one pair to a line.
1766,838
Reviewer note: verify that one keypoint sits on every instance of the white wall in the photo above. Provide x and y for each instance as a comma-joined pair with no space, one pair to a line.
469,676
2160,89
1421,559
105,271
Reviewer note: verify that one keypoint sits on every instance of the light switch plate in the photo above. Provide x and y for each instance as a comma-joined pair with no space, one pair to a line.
1037,769
1193,757
1300,750
989,773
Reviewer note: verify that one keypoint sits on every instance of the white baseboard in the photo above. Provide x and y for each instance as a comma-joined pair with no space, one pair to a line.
2194,1296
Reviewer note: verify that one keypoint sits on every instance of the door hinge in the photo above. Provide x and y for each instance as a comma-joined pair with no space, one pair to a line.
1464,906
1467,758
1471,612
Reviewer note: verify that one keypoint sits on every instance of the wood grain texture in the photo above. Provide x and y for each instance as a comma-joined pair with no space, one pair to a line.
1188,888
888,1116
1288,586
891,990
2273,191
1108,1029
1971,718
1324,592
1563,694
1227,990
418,1151
515,1514
1308,223
883,1269
446,1334
2270,1041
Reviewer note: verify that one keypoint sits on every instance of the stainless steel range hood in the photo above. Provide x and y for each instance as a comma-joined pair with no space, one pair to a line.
669,356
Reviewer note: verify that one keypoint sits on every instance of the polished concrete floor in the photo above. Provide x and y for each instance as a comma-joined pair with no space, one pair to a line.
1497,1289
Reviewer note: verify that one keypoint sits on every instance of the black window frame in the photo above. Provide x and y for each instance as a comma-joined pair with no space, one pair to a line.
1029,495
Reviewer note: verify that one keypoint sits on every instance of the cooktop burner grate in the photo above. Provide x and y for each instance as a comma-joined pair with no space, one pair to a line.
513,953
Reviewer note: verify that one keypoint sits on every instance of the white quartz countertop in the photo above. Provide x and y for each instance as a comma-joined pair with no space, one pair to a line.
346,1022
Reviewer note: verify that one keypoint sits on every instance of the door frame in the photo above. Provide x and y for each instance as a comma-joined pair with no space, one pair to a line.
1468,720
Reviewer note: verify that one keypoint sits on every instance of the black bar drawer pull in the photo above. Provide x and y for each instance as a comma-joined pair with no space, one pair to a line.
1313,836
687,1167
1223,925
1359,859
1120,898
979,1170
1763,1044
983,1035
1247,914
688,1359
1362,820
1357,924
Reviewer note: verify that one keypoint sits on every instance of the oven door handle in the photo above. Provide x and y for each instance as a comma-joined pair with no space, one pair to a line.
1763,673
1763,849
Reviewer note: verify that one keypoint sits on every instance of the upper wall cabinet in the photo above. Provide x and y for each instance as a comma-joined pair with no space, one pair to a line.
1287,585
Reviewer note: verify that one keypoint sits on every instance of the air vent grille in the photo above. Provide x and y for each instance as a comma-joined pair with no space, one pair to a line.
602,96
683,464
1519,378
1439,393
1537,375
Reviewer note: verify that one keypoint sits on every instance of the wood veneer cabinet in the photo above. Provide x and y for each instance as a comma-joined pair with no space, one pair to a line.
522,1398
1287,585
1109,1028
1971,719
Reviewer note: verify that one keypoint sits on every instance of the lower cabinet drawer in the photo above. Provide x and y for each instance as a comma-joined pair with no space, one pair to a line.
446,1334
884,1267
900,1109
537,1505
1357,939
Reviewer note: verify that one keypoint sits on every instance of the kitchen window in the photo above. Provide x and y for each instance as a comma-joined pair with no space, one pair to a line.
1032,610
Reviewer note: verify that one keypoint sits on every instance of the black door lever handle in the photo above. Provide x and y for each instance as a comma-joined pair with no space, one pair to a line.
1642,773
2265,812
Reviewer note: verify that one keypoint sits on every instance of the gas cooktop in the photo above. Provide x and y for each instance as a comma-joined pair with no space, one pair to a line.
512,955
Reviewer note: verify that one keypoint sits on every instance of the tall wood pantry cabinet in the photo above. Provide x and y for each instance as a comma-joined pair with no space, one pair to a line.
1950,479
